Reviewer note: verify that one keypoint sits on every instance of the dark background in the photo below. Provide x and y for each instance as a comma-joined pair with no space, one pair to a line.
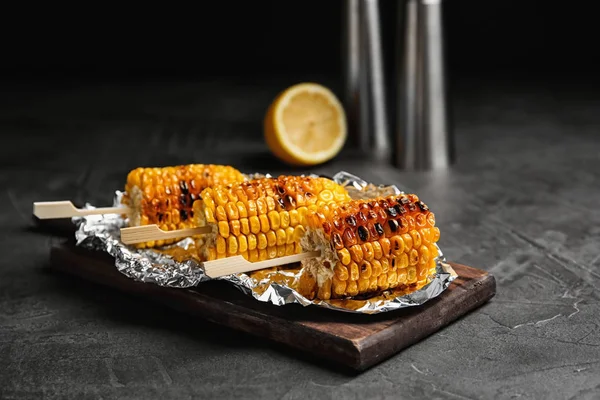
297,40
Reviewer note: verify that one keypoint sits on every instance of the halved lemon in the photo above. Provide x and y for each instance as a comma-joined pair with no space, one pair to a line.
305,125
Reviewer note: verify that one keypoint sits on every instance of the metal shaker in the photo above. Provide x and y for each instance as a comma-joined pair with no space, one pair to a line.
423,136
365,100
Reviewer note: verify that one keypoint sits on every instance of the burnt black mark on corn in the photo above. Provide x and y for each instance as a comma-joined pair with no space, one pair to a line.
363,233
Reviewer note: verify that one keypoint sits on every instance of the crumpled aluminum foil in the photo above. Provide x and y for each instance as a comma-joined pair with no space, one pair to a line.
177,266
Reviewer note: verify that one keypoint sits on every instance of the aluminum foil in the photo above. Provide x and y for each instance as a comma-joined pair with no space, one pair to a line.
177,265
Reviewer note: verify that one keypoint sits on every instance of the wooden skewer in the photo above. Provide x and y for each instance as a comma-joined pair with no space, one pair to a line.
146,233
66,209
238,264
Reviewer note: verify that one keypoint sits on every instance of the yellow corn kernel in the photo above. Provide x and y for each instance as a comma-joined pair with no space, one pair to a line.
232,211
294,217
385,265
382,282
377,268
243,213
302,215
385,247
408,242
354,273
251,206
289,235
340,272
377,251
367,251
411,275
221,197
274,220
263,254
392,278
326,196
264,223
232,245
402,276
271,238
435,234
253,255
281,237
352,288
243,254
242,243
416,237
365,270
402,261
284,219
424,259
397,244
426,235
224,229
254,224
413,257
338,286
209,216
232,197
290,249
298,233
207,199
235,227
344,256
252,242
357,253
262,241
220,213
244,226
280,250
220,245
272,252
212,254
270,203
261,206
363,285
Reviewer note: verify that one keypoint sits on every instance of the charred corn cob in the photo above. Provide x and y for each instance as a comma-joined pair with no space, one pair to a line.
263,218
368,247
164,196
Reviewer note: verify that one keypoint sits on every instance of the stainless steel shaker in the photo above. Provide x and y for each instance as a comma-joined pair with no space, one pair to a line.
423,135
365,97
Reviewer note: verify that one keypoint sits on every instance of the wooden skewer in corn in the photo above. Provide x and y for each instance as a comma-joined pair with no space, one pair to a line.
66,209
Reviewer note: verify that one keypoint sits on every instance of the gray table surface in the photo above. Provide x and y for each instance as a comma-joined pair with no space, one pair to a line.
521,202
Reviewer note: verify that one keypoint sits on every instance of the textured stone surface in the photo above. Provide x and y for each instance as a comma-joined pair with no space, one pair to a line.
521,202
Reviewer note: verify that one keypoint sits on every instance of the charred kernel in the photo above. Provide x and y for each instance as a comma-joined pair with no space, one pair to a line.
391,211
382,215
290,200
280,189
350,220
338,224
349,237
422,206
361,218
372,231
183,199
379,229
183,215
403,200
400,209
326,227
372,214
184,187
393,224
337,241
280,202
308,195
363,233
412,207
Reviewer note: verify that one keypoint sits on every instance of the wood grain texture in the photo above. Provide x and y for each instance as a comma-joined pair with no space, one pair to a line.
355,341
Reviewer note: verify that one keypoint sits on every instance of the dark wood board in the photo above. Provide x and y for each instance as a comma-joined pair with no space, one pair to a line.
352,340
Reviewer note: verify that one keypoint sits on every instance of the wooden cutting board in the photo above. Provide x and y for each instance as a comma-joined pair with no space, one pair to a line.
355,341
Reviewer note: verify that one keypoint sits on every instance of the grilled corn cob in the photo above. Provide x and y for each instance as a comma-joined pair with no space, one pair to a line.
368,246
263,218
164,196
